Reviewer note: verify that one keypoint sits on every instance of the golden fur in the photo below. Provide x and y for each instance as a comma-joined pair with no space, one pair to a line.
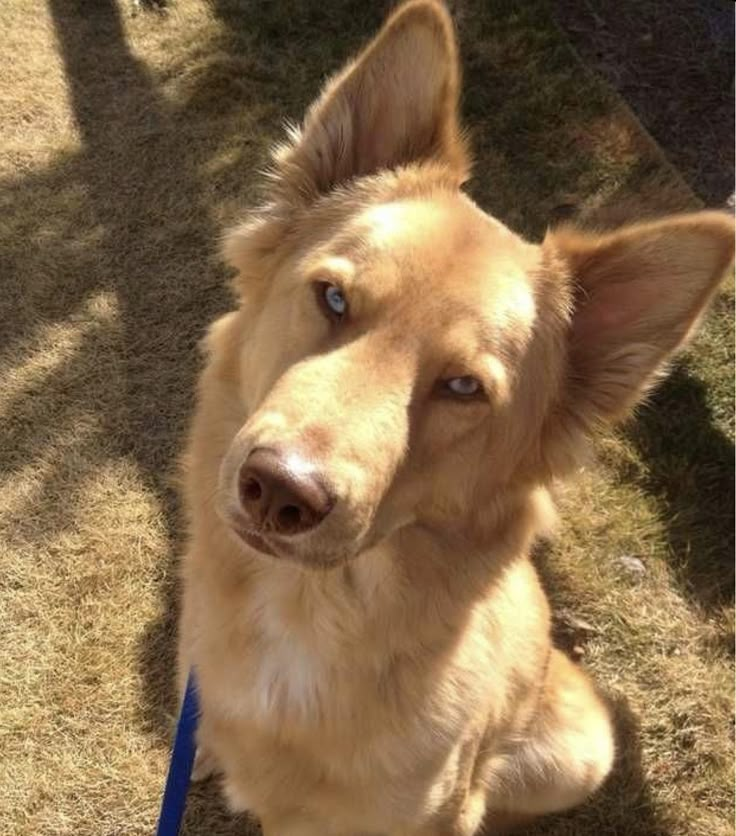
391,671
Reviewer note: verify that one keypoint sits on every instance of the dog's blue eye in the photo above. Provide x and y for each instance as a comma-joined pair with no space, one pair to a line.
331,299
463,387
335,300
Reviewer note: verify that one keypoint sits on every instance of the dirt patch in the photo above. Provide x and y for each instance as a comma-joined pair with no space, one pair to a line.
674,64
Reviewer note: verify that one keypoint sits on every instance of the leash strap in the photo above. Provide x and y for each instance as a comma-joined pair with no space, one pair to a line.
180,766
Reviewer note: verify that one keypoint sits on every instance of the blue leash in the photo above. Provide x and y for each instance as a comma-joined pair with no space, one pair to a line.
180,767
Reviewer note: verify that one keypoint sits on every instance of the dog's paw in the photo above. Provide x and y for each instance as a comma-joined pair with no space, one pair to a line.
204,765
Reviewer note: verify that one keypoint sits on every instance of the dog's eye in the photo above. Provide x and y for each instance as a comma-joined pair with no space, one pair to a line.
332,300
462,387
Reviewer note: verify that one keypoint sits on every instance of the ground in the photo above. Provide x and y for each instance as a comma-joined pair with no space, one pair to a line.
131,139
674,64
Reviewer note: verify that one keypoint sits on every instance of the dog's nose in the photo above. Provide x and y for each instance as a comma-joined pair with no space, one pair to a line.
280,492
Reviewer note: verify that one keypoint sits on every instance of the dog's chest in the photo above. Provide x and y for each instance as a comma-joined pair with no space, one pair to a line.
305,701
291,676
275,666
293,715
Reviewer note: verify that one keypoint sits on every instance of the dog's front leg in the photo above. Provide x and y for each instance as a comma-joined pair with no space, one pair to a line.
462,816
205,763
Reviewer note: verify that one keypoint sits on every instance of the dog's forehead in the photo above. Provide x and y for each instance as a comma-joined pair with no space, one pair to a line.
440,224
446,251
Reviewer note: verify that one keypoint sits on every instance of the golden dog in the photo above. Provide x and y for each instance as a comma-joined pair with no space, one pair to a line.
377,427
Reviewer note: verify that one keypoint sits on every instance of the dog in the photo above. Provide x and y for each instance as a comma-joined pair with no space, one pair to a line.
377,429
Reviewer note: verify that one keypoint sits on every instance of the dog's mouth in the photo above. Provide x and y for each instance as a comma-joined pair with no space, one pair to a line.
275,546
255,541
293,550
260,541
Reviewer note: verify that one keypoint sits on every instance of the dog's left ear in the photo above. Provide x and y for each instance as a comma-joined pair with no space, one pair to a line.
395,104
637,296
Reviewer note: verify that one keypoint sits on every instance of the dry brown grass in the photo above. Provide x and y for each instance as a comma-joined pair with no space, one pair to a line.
127,144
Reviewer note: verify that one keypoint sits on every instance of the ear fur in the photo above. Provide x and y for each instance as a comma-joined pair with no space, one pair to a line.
395,104
638,295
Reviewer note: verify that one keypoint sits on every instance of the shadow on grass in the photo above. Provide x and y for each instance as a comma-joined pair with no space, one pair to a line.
207,813
141,188
690,473
625,804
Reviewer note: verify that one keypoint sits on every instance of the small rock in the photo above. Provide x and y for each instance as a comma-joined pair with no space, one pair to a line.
632,565
571,623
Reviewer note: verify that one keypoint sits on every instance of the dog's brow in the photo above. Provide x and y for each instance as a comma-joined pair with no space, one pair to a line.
498,376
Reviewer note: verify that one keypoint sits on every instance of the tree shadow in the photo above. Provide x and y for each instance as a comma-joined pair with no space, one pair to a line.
142,189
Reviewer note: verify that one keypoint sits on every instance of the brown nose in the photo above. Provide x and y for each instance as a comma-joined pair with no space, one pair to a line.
281,493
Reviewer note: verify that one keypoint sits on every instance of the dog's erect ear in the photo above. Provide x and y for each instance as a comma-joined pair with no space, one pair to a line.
638,294
395,104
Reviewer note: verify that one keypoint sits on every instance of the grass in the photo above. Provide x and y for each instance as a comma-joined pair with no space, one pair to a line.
128,143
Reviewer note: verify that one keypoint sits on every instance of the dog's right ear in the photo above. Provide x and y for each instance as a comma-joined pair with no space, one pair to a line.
395,104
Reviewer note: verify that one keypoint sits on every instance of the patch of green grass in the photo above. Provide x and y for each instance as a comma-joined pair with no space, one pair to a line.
129,143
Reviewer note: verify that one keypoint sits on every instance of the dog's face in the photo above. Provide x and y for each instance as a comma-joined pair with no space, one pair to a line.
405,358
382,365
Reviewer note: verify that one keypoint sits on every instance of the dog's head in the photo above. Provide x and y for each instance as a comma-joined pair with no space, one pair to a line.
404,358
